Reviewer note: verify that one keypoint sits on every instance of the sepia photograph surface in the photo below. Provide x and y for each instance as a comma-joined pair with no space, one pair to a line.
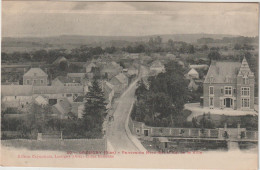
129,84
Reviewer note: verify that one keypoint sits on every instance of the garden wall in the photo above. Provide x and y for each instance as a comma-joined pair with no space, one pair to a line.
140,129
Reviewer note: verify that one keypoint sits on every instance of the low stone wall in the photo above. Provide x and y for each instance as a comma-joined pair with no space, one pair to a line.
55,144
140,129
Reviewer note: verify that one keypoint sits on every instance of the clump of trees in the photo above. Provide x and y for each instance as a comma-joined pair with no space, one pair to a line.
163,104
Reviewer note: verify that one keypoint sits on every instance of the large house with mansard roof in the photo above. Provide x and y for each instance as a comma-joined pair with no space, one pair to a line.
229,85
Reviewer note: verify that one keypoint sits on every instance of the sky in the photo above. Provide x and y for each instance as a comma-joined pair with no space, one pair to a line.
45,18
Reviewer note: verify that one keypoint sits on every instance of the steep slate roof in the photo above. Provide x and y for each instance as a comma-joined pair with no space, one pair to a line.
16,90
35,72
57,89
221,71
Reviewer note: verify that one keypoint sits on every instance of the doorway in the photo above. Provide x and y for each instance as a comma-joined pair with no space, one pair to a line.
146,133
228,102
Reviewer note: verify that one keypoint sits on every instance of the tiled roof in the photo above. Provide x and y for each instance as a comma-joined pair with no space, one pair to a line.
79,99
64,79
81,75
121,78
57,89
35,72
63,106
223,72
107,87
16,90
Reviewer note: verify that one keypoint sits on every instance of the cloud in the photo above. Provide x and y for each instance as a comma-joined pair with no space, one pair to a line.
46,18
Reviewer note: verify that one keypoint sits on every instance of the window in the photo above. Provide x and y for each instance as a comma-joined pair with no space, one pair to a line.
234,91
245,103
245,80
211,101
211,90
34,81
34,74
228,90
221,90
245,91
41,81
68,95
27,81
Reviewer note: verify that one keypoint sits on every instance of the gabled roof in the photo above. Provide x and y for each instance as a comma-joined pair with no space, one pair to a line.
57,89
223,72
79,99
157,63
35,72
63,106
16,90
192,71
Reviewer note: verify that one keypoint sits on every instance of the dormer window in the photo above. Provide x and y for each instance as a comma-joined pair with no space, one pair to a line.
34,74
228,79
245,80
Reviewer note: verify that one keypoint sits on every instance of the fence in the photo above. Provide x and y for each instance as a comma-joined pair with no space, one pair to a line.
55,144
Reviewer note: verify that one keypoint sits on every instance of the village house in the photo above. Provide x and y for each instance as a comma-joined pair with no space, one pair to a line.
132,71
199,66
229,85
40,100
66,81
192,85
53,93
109,92
35,77
193,74
110,70
157,67
88,66
62,108
80,76
120,83
16,95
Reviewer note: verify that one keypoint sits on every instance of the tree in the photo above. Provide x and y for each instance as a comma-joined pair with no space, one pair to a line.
63,66
95,108
214,55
